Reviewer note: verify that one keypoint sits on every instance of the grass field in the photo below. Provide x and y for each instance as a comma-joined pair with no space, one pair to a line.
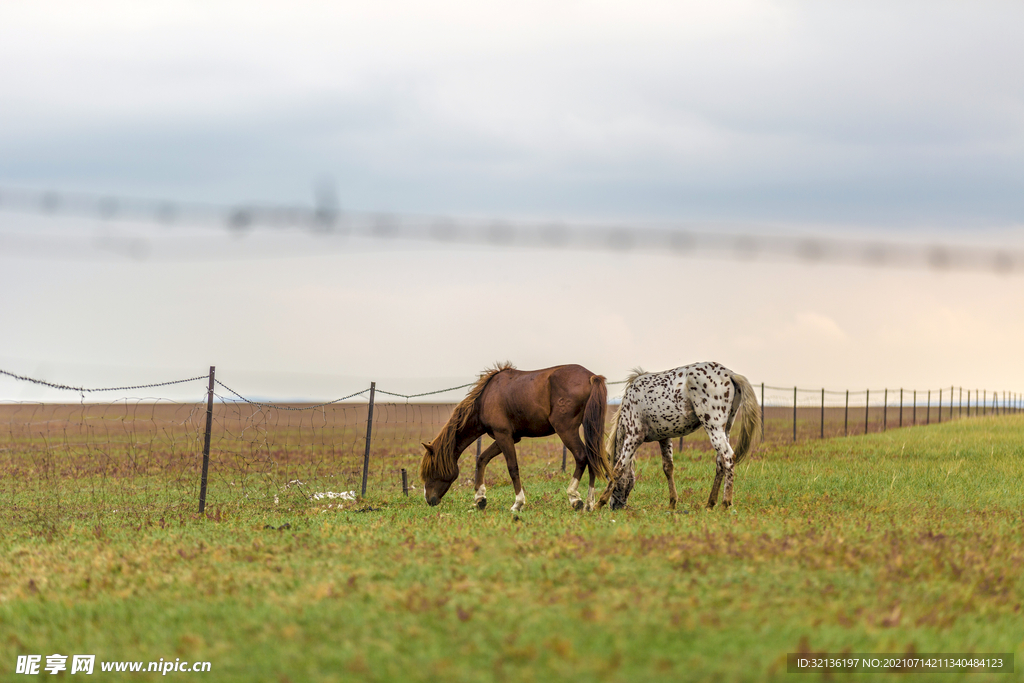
905,541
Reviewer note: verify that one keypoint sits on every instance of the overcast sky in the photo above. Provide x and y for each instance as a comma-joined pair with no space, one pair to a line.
903,120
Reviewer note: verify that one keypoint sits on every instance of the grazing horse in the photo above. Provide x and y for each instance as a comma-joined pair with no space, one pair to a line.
509,404
662,405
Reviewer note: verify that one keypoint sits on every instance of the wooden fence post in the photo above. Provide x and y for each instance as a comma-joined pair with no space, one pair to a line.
369,436
928,410
901,407
405,482
563,457
206,444
940,406
885,410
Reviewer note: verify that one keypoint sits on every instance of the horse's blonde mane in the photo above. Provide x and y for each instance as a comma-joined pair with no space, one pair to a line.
439,462
611,444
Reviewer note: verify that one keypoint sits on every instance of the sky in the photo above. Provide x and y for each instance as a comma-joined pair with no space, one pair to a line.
867,119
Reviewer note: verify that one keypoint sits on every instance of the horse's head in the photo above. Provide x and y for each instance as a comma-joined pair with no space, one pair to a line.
622,487
437,479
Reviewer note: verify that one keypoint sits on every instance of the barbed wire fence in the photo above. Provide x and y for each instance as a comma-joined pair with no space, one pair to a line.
735,241
144,457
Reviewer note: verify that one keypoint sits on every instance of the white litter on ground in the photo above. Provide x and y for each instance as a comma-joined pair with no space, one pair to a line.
344,495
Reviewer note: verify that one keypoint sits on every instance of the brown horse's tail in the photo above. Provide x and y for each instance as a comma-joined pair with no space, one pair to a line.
750,417
593,427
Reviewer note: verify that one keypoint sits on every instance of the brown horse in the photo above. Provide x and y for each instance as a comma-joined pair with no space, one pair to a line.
509,404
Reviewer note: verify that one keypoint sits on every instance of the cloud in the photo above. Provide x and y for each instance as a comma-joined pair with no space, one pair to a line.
829,112
812,329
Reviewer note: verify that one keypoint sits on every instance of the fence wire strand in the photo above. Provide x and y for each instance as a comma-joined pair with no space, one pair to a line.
277,406
84,390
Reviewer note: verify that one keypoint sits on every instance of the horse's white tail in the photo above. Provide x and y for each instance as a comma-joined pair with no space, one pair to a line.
611,444
750,418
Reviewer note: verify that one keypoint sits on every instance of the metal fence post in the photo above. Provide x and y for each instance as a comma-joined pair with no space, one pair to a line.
915,407
846,415
822,428
206,444
563,457
369,436
885,411
762,411
901,407
794,414
405,482
928,410
867,404
940,406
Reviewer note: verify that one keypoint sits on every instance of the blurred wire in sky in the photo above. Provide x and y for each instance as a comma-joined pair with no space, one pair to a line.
684,240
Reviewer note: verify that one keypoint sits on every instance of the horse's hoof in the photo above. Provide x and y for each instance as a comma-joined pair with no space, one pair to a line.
577,505
481,503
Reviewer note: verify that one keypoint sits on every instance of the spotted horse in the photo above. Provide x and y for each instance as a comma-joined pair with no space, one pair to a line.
509,404
660,406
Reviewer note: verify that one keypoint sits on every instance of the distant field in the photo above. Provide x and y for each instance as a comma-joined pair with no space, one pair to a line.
903,541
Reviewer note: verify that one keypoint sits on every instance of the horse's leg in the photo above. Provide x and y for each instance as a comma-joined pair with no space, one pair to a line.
508,447
668,467
574,494
723,467
481,464
719,471
570,436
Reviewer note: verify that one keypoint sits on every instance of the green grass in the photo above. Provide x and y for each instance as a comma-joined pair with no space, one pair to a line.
907,541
